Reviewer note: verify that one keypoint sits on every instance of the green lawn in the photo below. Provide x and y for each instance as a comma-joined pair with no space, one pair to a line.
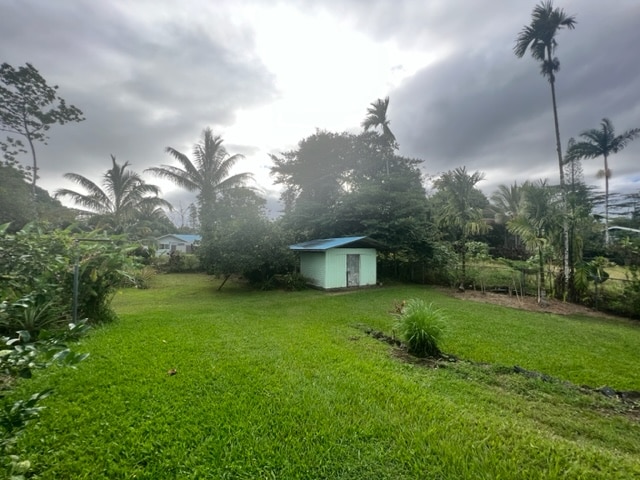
275,385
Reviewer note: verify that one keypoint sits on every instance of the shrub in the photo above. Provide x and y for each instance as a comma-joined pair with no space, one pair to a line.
420,326
290,282
37,271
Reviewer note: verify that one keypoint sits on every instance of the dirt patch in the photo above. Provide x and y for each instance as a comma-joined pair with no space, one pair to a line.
549,305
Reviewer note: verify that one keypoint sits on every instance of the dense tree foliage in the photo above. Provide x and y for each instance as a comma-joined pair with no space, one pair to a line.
16,202
346,184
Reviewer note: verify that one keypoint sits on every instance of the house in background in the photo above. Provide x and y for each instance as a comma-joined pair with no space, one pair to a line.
177,242
338,262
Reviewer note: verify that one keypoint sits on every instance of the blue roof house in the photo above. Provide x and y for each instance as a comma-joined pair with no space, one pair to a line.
338,262
175,242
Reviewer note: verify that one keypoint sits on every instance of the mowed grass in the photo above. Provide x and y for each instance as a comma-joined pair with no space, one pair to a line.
286,386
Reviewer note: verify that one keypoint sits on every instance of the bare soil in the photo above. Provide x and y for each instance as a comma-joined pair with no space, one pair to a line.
548,305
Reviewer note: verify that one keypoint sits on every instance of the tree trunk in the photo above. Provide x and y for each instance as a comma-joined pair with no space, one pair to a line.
463,253
224,281
565,223
540,275
606,200
34,173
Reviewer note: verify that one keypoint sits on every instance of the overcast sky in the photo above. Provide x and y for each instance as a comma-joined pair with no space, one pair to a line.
265,74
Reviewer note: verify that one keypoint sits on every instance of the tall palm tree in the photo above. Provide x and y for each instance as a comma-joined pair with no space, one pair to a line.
207,174
123,194
536,223
377,117
459,211
539,37
602,142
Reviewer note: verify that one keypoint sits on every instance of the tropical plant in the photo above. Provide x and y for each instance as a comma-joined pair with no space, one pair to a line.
28,108
602,142
42,273
123,195
459,210
377,117
536,224
539,37
420,325
507,203
207,174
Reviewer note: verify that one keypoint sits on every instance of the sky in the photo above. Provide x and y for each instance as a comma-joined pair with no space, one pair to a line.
265,74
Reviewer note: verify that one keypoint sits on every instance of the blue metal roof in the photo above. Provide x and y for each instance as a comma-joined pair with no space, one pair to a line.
327,243
184,237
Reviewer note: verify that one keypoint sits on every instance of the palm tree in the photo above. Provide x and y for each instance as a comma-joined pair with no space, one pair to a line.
507,202
459,211
208,174
377,117
536,223
116,204
539,37
602,142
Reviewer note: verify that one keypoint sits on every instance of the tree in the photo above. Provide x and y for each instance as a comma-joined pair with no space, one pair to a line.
394,212
602,142
377,117
250,246
207,174
315,177
16,202
507,203
116,205
539,37
28,108
536,224
455,208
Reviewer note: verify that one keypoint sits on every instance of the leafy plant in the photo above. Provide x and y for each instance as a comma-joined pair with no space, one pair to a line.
420,325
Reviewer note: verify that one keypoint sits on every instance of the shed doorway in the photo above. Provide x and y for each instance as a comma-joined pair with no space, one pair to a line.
353,270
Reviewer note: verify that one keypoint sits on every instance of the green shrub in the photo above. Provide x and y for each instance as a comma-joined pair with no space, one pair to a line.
37,271
140,277
420,325
291,282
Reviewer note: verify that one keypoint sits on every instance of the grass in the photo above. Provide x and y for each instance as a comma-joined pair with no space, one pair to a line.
282,385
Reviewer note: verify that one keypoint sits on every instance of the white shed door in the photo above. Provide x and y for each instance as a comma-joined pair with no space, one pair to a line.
353,270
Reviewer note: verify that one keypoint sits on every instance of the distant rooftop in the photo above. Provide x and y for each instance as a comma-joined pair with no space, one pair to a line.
323,244
187,238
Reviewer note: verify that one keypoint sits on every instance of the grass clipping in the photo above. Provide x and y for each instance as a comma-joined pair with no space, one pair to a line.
420,325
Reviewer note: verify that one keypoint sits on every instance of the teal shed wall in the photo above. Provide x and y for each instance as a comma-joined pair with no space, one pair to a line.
328,269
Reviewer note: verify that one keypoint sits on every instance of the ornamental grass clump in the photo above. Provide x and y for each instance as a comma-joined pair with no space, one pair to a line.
420,325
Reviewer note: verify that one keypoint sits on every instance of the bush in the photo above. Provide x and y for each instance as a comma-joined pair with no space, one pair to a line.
290,282
420,326
177,262
37,271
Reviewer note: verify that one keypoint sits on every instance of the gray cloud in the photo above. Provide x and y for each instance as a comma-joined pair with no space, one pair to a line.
144,83
141,87
491,111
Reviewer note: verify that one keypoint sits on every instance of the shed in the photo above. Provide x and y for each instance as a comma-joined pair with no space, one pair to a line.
177,242
338,262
